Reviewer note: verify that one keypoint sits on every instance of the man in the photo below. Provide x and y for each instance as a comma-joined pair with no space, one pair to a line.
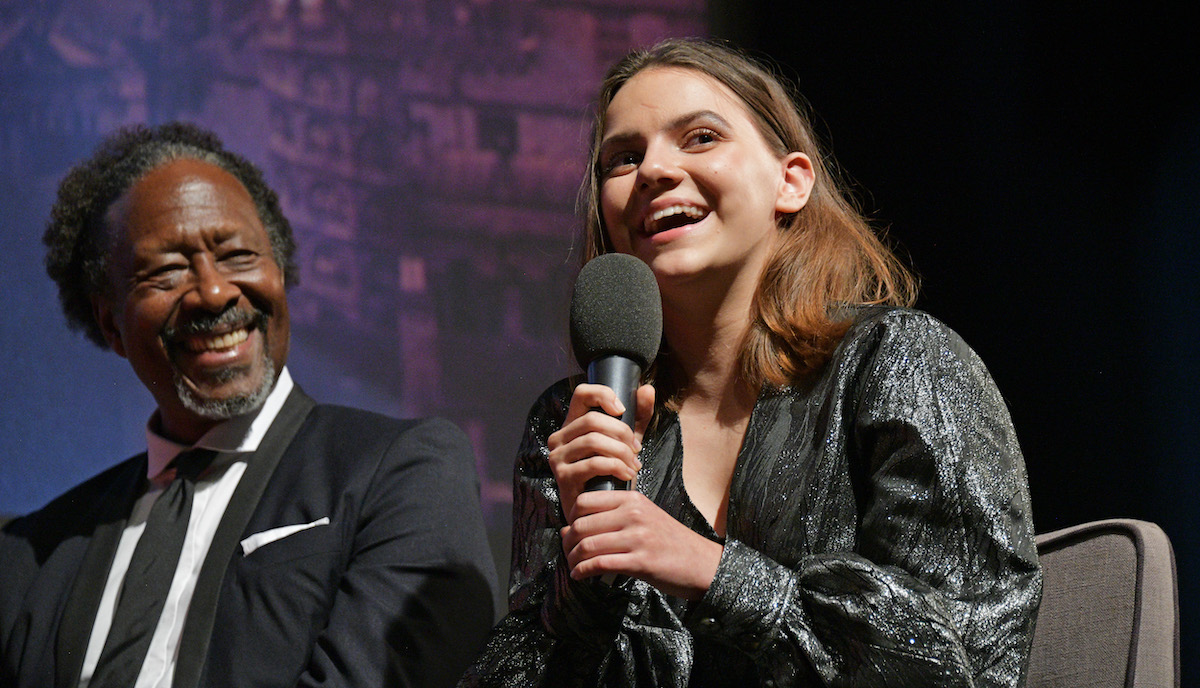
282,542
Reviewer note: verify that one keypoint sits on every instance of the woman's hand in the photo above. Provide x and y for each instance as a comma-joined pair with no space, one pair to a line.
590,443
623,532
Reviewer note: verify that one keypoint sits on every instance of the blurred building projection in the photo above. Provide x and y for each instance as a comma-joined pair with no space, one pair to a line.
71,71
429,155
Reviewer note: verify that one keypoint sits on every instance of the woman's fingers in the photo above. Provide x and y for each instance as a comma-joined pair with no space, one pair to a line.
625,533
593,452
586,469
599,507
592,422
592,443
645,410
588,397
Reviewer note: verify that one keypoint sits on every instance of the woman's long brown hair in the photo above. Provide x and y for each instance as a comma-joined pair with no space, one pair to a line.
828,256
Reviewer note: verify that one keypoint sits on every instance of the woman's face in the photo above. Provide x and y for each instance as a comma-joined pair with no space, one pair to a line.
687,183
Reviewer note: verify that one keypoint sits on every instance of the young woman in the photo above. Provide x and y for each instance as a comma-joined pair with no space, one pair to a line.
828,490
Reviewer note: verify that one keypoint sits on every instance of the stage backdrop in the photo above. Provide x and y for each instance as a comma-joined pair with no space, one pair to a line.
427,154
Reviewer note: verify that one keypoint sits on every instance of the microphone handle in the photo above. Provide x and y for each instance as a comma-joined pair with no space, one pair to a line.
621,374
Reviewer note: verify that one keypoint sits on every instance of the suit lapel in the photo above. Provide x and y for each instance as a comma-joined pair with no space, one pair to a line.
79,613
197,628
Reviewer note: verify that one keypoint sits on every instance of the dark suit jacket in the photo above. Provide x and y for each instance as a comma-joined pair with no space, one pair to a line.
396,590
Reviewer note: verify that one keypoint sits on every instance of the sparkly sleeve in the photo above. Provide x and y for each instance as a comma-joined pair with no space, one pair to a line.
941,585
559,631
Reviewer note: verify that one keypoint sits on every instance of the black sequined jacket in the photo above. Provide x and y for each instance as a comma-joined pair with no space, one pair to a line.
878,533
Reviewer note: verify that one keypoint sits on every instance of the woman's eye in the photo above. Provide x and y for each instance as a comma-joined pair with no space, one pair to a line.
621,160
702,137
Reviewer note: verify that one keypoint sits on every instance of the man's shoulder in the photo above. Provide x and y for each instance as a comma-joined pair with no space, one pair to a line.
344,421
121,477
78,510
344,431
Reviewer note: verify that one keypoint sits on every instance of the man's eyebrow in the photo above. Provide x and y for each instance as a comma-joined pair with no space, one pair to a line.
677,123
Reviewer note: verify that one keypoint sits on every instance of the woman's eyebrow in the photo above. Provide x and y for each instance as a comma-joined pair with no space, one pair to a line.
679,122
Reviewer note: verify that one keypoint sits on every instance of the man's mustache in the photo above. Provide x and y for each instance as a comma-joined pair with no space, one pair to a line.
203,324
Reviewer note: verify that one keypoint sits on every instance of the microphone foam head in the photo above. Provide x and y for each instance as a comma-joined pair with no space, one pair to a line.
616,310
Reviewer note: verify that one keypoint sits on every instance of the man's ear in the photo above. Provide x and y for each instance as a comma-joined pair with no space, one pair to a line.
105,317
795,183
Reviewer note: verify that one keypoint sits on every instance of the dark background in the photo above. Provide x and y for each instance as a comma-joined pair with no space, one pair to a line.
1040,165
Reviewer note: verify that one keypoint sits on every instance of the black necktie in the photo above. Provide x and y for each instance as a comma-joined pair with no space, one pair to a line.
148,580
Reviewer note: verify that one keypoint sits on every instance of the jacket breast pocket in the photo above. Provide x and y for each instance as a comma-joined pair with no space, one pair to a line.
319,540
284,590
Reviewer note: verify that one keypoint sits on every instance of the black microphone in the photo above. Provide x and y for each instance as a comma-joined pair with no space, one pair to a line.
616,327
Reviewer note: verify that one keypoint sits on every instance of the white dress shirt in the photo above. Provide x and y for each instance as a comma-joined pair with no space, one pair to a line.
236,439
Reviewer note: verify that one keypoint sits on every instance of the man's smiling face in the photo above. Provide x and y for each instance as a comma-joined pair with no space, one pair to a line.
195,302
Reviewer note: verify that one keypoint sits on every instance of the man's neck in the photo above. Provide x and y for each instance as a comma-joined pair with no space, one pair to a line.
239,434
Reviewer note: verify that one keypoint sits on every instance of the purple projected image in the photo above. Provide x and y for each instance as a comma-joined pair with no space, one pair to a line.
426,154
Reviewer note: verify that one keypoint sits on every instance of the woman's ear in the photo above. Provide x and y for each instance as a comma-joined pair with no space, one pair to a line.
795,184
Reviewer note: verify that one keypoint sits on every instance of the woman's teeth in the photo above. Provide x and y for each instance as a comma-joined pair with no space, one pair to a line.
688,211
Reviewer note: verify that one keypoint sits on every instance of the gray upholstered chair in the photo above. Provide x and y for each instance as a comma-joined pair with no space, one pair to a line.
1110,608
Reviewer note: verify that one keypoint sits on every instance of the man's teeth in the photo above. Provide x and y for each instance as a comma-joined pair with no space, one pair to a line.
219,342
690,211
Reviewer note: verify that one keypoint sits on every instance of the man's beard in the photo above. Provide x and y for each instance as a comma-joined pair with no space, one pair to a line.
224,409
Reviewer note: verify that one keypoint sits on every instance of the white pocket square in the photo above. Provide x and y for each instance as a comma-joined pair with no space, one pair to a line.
268,536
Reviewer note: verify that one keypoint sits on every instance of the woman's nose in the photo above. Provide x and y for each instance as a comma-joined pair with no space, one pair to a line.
659,166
